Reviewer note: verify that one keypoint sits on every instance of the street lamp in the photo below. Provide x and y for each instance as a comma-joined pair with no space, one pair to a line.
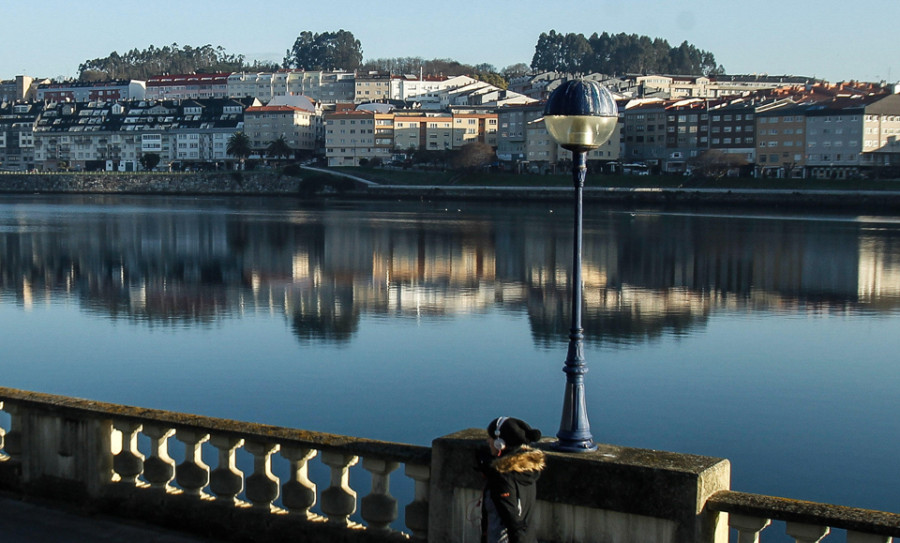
580,115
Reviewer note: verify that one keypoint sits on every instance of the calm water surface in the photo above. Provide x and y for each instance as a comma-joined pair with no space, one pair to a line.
765,338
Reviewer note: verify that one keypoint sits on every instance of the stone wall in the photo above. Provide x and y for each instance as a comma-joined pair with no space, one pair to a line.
263,183
612,494
233,182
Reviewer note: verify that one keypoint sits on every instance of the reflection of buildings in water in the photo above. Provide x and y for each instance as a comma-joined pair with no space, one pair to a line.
623,315
643,275
879,269
326,312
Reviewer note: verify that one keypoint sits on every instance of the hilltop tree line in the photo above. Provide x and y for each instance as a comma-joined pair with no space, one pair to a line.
618,54
568,53
143,64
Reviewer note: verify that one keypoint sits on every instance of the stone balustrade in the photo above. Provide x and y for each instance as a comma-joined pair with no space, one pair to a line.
804,521
89,452
234,480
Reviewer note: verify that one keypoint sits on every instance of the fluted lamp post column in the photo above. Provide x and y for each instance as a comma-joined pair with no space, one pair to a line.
580,115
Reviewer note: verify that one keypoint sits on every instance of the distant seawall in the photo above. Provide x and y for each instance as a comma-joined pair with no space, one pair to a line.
213,183
270,184
881,201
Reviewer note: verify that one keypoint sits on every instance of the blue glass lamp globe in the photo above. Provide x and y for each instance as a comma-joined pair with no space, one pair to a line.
580,115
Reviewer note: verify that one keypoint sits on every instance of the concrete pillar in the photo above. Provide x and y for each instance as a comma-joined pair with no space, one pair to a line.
262,485
192,474
299,493
159,469
129,462
339,500
806,533
379,508
748,527
226,481
64,454
613,494
858,537
417,511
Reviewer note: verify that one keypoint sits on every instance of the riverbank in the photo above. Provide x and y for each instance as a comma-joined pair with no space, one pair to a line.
882,201
212,183
270,183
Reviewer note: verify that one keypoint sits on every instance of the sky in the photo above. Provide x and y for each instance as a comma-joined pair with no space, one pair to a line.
826,39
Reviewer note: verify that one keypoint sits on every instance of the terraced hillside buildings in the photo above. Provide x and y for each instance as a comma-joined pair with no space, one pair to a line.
115,136
760,125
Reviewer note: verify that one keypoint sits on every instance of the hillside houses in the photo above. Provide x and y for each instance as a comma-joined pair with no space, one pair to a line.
115,135
768,126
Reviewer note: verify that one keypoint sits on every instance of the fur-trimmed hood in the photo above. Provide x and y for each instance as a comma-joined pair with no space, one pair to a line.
524,459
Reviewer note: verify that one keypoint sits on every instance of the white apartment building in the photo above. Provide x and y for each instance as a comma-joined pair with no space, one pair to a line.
187,86
319,86
351,136
91,91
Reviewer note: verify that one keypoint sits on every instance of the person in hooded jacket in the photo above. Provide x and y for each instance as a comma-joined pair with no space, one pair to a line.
510,472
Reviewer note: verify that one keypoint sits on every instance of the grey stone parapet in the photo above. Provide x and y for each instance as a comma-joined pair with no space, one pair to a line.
622,494
320,440
805,512
86,452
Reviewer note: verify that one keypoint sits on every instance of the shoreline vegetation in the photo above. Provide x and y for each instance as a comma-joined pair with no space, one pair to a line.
380,183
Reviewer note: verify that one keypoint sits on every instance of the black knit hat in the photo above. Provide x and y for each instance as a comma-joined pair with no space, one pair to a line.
513,432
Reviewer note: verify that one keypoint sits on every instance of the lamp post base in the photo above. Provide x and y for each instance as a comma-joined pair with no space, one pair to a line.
574,446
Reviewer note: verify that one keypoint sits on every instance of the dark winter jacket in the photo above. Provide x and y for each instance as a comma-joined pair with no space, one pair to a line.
509,496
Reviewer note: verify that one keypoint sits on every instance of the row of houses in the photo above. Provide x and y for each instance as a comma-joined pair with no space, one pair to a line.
821,131
355,136
103,135
426,92
798,130
825,131
423,92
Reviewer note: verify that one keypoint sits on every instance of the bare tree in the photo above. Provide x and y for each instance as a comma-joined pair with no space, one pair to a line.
473,155
716,164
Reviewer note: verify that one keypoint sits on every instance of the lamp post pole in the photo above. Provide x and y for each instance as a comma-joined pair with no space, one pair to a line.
574,428
580,116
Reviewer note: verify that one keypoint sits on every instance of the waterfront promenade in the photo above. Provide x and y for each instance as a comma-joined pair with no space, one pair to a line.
269,183
44,522
86,452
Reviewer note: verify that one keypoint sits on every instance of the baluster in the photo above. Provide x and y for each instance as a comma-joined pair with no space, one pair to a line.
806,533
2,438
159,469
299,493
226,481
859,537
192,474
129,462
339,500
748,527
417,510
379,508
262,485
13,440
